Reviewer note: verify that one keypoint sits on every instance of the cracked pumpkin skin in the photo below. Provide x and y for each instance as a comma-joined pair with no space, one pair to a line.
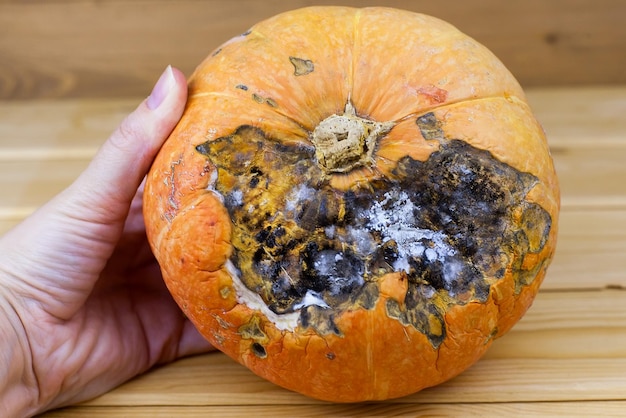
355,203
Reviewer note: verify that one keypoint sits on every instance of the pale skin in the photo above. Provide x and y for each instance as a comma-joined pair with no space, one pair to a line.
83,307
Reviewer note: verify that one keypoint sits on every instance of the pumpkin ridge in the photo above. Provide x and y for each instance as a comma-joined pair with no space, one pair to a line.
201,94
353,62
459,102
275,109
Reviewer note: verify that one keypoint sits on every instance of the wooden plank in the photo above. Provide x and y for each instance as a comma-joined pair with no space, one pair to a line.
569,347
566,356
54,129
588,151
590,250
581,117
587,135
45,144
526,409
589,177
572,117
26,185
216,380
568,325
113,48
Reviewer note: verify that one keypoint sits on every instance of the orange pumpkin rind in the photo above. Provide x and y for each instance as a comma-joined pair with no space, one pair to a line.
353,275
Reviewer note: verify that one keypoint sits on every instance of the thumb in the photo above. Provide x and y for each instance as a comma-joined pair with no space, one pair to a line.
73,235
105,189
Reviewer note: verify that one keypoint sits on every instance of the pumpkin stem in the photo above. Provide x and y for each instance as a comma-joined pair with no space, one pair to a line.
344,142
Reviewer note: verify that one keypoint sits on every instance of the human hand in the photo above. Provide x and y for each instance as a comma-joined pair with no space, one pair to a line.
83,306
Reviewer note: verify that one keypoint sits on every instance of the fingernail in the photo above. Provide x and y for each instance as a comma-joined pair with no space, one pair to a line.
161,88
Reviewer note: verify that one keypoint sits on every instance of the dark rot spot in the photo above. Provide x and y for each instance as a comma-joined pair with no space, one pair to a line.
258,350
320,319
332,271
263,100
452,225
252,330
323,209
257,98
241,87
420,313
429,126
301,66
256,175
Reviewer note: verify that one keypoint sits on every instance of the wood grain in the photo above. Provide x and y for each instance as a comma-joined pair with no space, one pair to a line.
32,176
570,346
45,145
520,409
59,139
109,48
581,117
590,250
566,357
49,129
214,379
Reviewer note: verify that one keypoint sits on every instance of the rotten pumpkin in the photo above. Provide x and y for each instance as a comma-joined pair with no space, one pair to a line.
355,203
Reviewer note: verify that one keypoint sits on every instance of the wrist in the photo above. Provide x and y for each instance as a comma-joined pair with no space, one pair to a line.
18,383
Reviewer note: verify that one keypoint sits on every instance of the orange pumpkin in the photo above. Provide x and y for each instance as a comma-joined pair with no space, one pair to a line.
355,203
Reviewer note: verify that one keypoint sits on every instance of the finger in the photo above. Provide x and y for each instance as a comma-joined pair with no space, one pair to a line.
191,342
107,187
134,221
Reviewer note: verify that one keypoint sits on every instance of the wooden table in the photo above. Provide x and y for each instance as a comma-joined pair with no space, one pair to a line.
566,357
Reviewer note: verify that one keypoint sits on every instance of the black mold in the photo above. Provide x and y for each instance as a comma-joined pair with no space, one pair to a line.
258,350
446,222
